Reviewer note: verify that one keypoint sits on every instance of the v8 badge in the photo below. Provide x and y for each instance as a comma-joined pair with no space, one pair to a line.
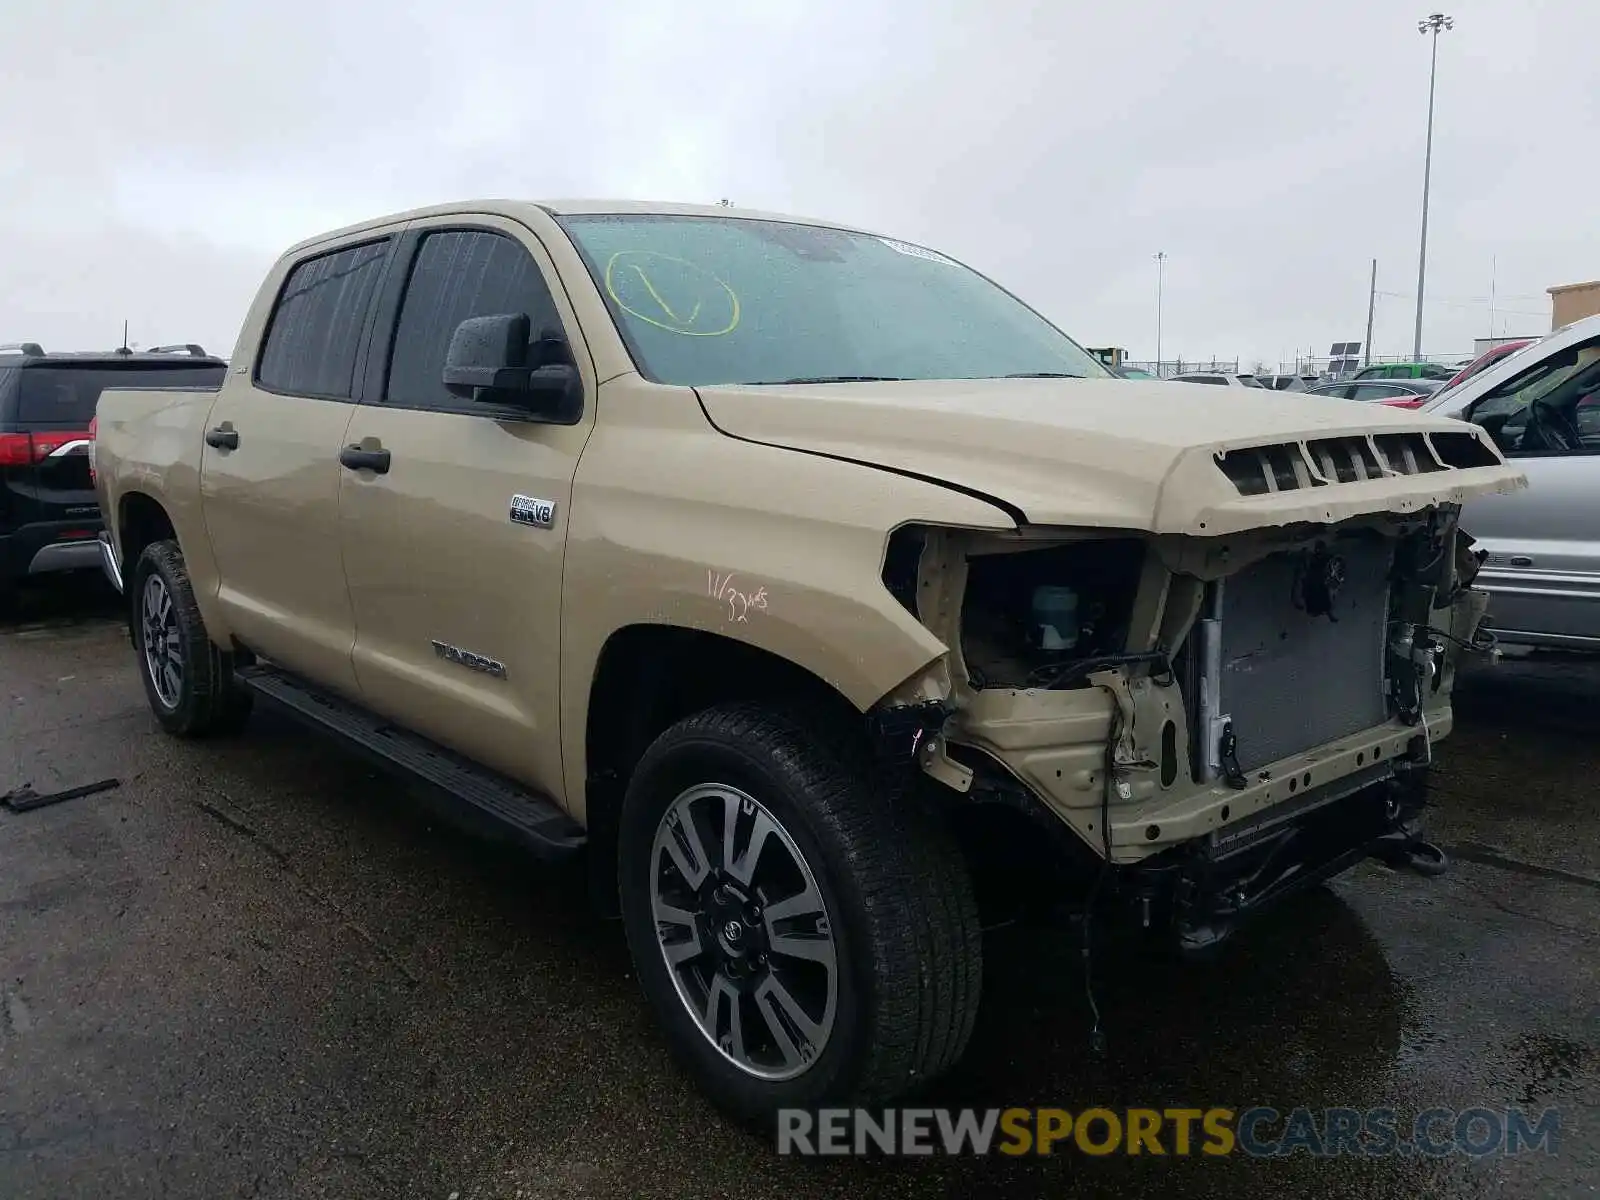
529,510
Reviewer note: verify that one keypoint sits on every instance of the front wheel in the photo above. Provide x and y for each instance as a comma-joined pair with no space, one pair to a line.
802,940
187,679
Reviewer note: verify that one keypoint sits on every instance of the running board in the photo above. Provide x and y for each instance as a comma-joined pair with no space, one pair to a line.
535,821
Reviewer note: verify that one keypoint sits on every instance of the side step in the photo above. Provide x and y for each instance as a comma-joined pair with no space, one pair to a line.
550,833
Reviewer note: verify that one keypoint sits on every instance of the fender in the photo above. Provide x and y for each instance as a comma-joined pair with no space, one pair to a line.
674,524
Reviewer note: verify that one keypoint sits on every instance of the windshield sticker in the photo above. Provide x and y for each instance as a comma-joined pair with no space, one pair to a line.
671,293
739,602
917,252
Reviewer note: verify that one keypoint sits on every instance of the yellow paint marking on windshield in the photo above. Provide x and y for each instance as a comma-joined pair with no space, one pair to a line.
668,275
651,288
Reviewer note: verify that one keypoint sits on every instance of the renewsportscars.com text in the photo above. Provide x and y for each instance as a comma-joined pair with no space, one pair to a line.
1258,1132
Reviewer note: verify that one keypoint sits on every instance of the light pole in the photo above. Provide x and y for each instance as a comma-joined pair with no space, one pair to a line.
1161,262
1432,24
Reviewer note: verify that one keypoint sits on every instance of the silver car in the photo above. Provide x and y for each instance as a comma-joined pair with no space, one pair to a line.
1542,407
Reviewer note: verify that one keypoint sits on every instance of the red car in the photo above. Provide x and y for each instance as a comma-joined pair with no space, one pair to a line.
1484,361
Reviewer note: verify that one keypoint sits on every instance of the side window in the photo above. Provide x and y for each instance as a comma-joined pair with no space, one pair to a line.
1374,391
459,274
315,329
1549,408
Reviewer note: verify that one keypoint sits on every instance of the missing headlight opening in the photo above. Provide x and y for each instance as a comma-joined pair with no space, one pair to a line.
1028,618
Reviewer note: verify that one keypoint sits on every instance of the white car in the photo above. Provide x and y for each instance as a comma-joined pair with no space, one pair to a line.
1218,377
1541,405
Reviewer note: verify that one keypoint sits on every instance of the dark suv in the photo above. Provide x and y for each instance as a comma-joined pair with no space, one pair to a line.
49,517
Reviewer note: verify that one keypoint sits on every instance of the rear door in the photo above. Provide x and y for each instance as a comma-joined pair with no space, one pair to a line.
270,468
1543,569
454,552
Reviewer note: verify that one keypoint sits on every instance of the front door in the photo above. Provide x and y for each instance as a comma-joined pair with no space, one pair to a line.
453,545
270,473
1543,569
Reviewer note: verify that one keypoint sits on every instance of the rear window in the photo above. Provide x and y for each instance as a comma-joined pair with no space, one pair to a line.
66,395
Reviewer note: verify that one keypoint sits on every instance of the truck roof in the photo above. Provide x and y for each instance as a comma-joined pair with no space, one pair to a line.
570,208
31,353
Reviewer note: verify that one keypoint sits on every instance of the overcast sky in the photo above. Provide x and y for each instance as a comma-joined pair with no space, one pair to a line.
158,155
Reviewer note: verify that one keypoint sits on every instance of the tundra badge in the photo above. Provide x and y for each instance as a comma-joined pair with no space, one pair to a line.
526,510
466,658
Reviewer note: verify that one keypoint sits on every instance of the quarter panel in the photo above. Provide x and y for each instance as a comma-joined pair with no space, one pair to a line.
148,443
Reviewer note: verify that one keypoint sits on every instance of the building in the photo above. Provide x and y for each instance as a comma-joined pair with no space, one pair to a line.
1573,301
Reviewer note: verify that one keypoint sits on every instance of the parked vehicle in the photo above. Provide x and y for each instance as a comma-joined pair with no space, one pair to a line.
1133,373
1397,393
1486,360
1541,405
1405,370
796,573
49,518
1288,383
1218,378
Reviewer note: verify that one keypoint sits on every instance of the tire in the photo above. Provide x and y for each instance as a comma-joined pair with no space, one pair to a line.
883,884
190,687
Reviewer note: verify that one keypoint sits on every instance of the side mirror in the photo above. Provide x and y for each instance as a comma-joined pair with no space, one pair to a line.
494,360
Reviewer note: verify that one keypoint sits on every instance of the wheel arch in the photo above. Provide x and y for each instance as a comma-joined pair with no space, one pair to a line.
648,677
142,518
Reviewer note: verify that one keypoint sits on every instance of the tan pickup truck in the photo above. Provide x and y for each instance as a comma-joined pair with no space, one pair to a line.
811,583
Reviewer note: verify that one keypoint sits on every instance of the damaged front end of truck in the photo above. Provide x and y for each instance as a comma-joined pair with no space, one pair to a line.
1204,716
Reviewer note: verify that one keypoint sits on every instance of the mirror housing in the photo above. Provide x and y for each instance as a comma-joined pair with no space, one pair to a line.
494,360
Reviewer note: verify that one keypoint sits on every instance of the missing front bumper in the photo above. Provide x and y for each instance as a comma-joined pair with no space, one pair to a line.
1208,889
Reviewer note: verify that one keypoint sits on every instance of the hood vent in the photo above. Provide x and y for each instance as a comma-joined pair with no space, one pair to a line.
1290,466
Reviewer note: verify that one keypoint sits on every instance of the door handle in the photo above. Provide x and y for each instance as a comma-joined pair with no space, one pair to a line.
1520,560
223,438
358,459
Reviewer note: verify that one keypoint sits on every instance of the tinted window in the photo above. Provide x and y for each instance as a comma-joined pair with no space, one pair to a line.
709,300
315,330
459,274
1377,391
66,395
1217,379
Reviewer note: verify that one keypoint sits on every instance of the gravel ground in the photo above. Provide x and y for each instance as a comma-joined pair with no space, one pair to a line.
256,968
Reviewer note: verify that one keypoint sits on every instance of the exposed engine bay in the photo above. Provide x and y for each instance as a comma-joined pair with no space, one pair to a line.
1202,712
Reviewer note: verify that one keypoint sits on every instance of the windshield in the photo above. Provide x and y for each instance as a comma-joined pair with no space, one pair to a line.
67,395
709,300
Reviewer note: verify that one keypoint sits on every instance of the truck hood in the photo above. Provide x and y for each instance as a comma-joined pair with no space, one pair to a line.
1126,454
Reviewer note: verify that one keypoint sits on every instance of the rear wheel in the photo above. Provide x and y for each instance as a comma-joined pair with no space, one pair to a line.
187,678
802,940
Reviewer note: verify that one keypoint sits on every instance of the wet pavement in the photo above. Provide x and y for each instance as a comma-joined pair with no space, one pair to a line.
256,968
